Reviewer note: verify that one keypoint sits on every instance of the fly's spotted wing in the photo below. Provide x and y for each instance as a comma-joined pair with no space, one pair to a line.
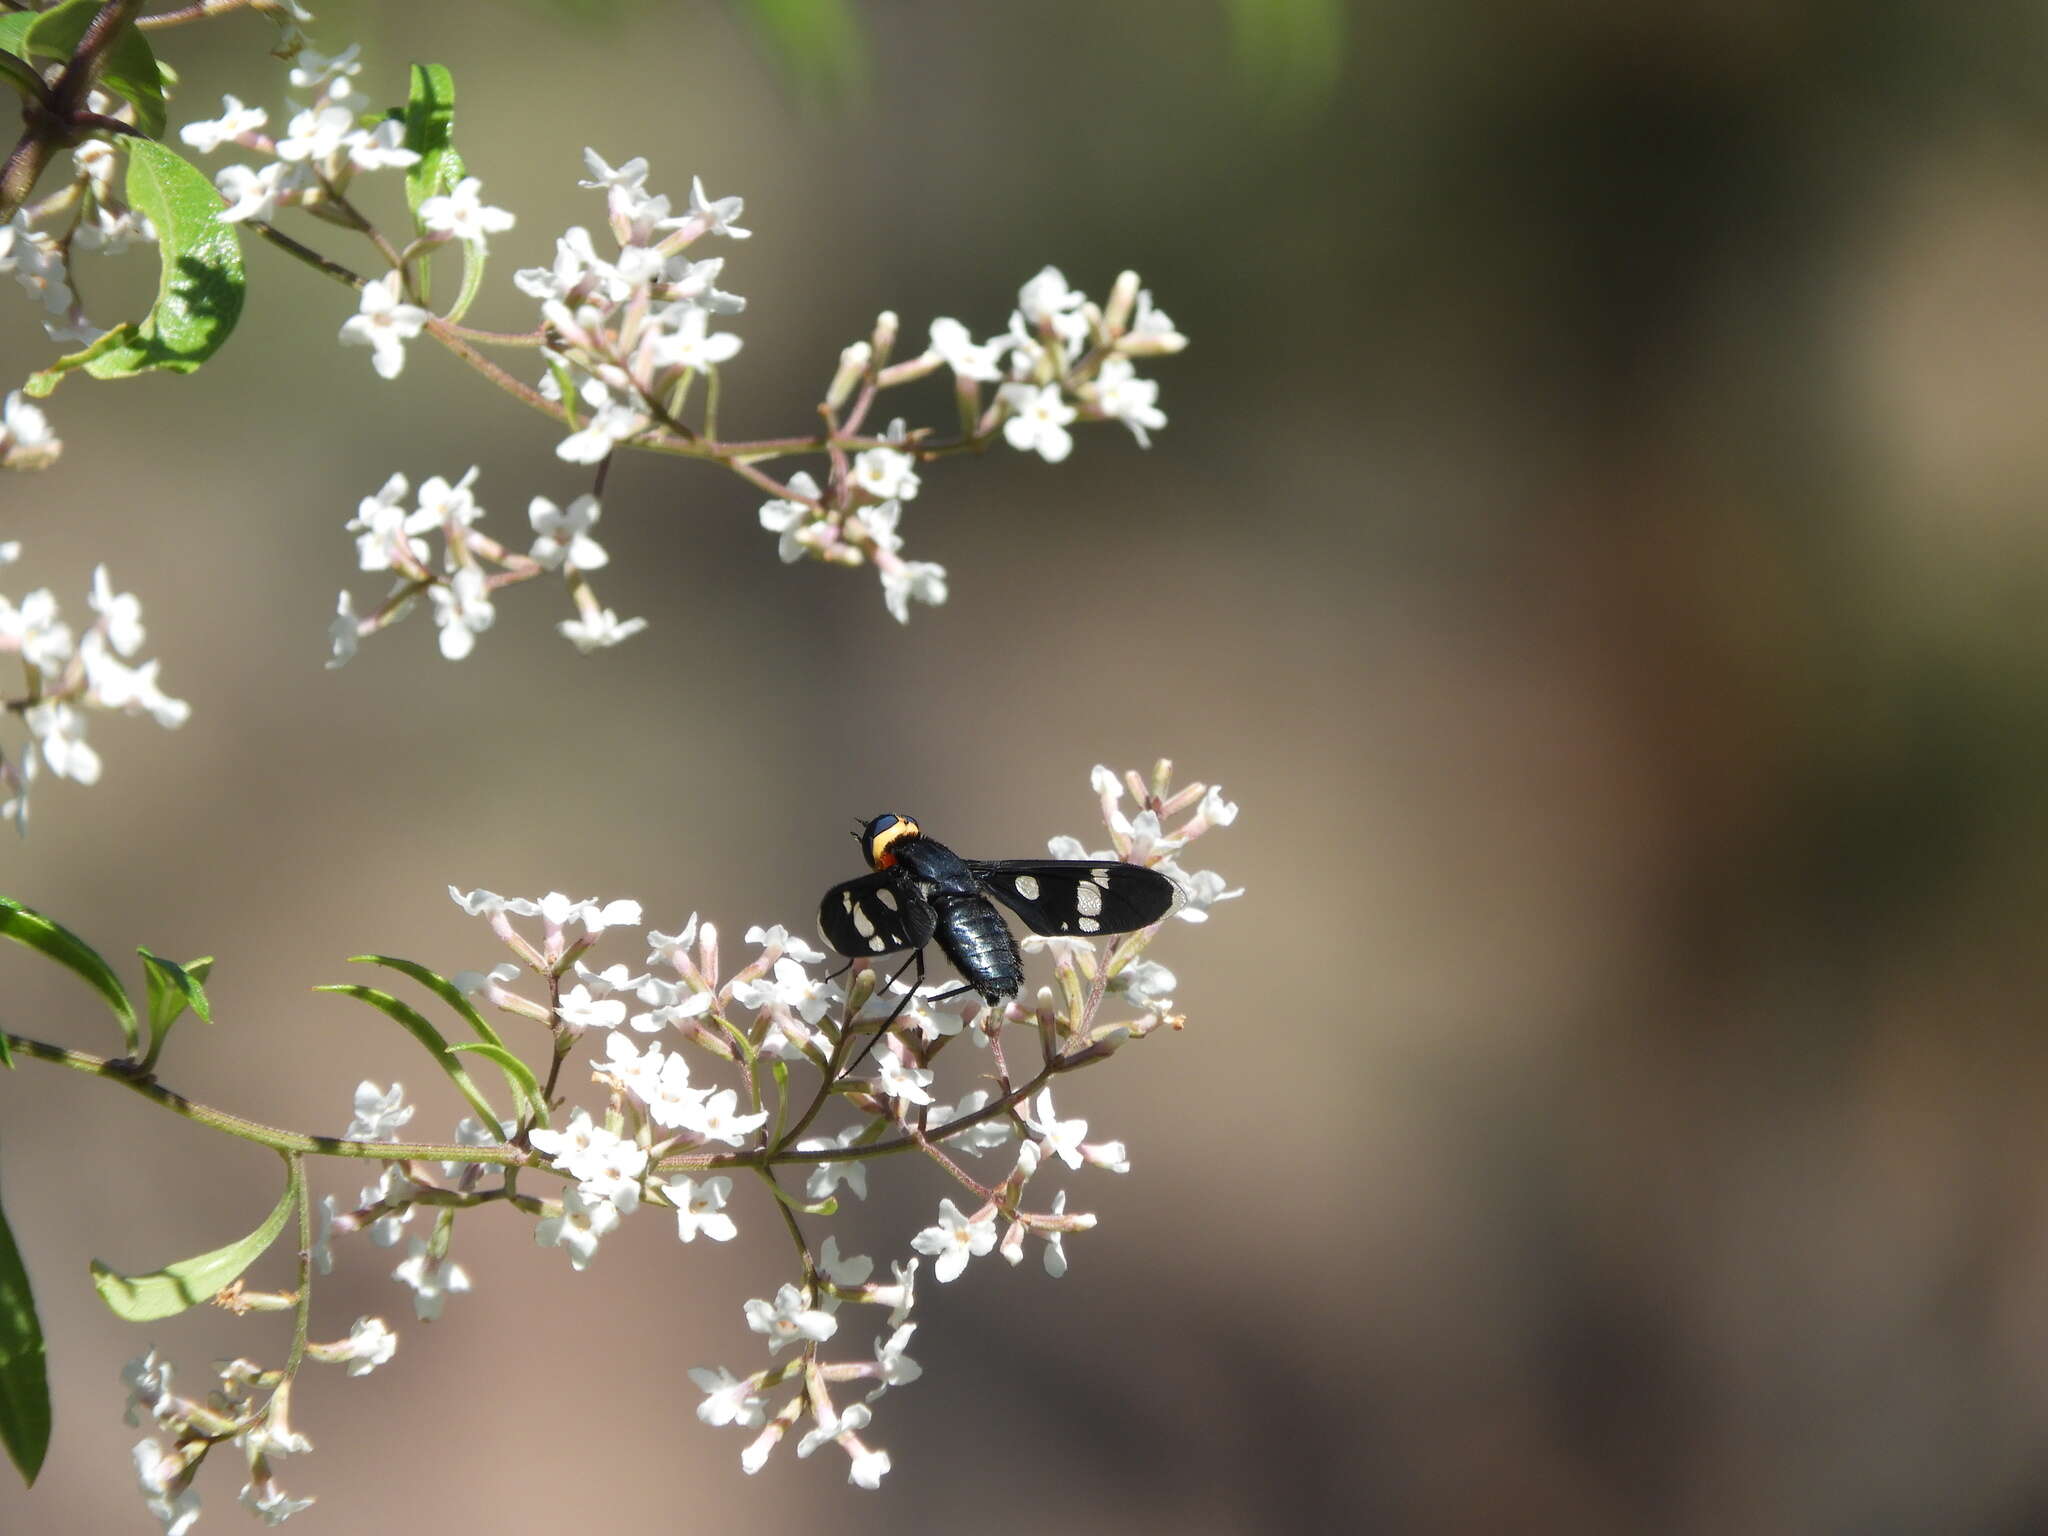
1079,896
870,916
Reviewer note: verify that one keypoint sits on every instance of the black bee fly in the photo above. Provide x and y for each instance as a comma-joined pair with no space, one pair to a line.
922,890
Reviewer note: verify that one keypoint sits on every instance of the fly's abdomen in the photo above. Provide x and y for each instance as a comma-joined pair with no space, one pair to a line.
976,940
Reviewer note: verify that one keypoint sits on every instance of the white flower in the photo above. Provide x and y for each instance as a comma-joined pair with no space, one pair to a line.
392,1195
902,1081
1055,1245
599,630
316,135
579,1149
1122,396
728,1399
272,1503
1046,300
577,1226
791,518
692,344
36,631
1146,983
379,1113
828,1176
777,937
379,527
445,506
848,1271
793,988
718,1119
148,1379
897,1368
628,177
59,731
463,213
122,612
1062,1138
1151,330
954,1239
1200,889
900,1297
924,580
579,1010
379,147
612,422
322,1253
327,73
886,473
717,216
370,1344
868,1469
965,356
462,610
384,323
701,1208
255,194
1107,1154
564,533
432,1280
163,1495
26,440
234,121
612,1174
830,1426
1038,421
790,1318
344,632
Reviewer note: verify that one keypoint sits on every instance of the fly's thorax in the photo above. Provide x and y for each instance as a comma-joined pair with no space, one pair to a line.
936,869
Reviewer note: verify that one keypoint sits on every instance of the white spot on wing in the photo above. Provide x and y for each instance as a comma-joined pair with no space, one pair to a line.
877,944
846,900
1100,877
1089,899
887,898
1088,924
1027,886
862,923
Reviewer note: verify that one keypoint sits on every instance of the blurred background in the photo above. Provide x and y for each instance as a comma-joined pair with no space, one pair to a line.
1601,541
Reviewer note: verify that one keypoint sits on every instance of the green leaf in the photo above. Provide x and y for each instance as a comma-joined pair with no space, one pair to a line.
200,289
430,134
525,1086
172,989
24,1381
16,68
169,1291
128,68
24,925
440,986
416,1025
44,380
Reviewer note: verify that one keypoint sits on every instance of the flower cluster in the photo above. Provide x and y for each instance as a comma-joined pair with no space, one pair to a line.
390,536
630,334
249,1408
1061,359
66,674
664,1133
661,1131
327,141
